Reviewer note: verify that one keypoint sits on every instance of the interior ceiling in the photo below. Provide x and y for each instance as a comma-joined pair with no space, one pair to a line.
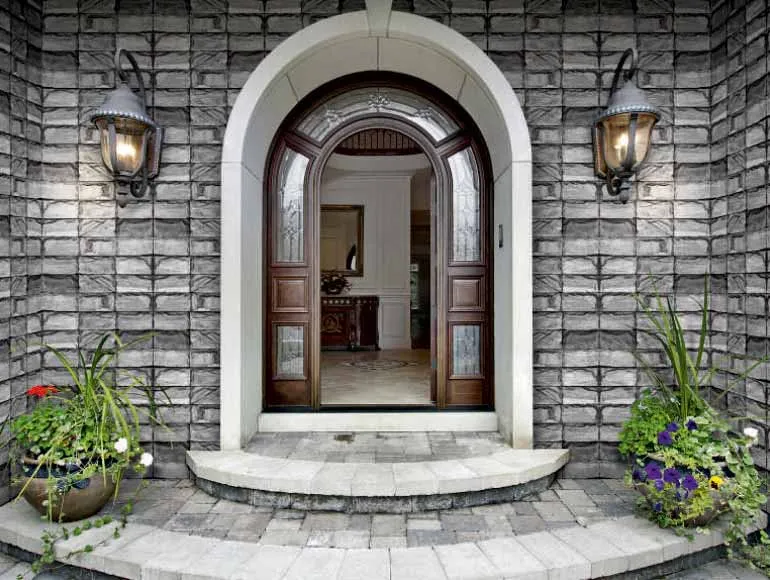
378,142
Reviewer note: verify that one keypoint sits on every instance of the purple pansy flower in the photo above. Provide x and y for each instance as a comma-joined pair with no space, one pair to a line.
664,438
689,482
653,470
657,506
672,427
691,425
659,485
639,474
672,475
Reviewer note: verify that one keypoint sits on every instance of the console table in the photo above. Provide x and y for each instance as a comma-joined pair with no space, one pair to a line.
349,323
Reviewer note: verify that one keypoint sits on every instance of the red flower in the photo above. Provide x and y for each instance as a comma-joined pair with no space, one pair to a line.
41,391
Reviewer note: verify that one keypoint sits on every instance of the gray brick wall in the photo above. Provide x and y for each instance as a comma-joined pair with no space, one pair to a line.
20,156
740,235
154,265
592,252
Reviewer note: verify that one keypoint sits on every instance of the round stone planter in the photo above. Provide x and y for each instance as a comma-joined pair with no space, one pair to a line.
81,500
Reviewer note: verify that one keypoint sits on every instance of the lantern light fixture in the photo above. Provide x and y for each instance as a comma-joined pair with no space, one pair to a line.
622,132
130,139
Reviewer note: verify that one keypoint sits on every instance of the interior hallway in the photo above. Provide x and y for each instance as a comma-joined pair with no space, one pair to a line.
386,377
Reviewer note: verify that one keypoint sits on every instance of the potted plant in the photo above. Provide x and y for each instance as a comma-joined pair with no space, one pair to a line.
334,283
688,463
78,440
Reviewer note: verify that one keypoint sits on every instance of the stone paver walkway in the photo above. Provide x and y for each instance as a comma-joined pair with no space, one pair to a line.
568,511
377,447
176,505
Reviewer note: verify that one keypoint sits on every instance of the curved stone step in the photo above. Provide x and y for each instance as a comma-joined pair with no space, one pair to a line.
366,487
614,548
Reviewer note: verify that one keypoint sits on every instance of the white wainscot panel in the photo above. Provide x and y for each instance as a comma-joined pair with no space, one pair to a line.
394,322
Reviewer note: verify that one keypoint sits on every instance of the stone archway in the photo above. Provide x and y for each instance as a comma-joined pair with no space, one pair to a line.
376,39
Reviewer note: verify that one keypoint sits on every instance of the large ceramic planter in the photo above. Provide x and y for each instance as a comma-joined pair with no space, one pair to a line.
75,503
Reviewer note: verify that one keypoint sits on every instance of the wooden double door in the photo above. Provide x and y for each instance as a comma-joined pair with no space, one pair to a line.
461,316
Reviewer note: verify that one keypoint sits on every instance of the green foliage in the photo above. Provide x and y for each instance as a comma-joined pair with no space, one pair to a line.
755,554
73,433
683,398
649,416
47,557
86,428
721,470
674,431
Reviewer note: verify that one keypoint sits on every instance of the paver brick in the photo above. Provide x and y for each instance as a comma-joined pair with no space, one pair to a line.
563,562
408,564
316,564
370,564
466,561
269,563
513,560
605,559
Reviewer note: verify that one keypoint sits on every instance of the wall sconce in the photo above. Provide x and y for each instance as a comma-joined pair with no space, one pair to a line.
622,132
130,139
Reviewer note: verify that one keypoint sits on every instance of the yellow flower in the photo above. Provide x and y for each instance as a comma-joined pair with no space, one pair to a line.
716,481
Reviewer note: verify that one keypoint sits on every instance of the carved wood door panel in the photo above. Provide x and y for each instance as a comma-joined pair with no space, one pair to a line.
466,273
290,283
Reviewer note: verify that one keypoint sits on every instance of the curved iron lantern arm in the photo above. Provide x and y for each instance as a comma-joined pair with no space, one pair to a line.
123,74
618,183
628,74
137,188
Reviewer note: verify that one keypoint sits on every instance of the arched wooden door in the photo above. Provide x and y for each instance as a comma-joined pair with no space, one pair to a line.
461,208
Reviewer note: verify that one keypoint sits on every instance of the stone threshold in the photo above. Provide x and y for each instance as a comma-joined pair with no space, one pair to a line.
626,547
405,421
375,487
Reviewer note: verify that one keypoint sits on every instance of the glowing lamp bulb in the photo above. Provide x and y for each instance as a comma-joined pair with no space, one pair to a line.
621,146
124,150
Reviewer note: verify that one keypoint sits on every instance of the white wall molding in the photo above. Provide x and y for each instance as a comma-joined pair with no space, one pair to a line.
328,49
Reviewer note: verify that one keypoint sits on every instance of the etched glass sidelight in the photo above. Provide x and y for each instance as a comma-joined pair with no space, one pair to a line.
290,351
466,210
358,103
466,350
290,240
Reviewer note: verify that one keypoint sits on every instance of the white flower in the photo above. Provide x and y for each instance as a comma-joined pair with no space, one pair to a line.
751,432
145,459
121,445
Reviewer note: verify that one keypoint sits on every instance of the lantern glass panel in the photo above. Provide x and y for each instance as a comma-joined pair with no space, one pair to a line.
129,144
615,138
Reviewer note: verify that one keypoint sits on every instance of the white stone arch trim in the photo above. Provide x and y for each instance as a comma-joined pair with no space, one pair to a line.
328,49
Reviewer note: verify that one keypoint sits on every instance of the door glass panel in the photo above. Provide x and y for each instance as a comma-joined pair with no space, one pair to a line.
290,351
466,213
358,103
291,207
466,349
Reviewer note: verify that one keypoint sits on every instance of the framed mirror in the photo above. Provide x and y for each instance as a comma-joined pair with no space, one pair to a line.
342,239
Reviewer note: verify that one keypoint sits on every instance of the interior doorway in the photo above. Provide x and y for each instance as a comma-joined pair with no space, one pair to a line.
375,232
364,313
